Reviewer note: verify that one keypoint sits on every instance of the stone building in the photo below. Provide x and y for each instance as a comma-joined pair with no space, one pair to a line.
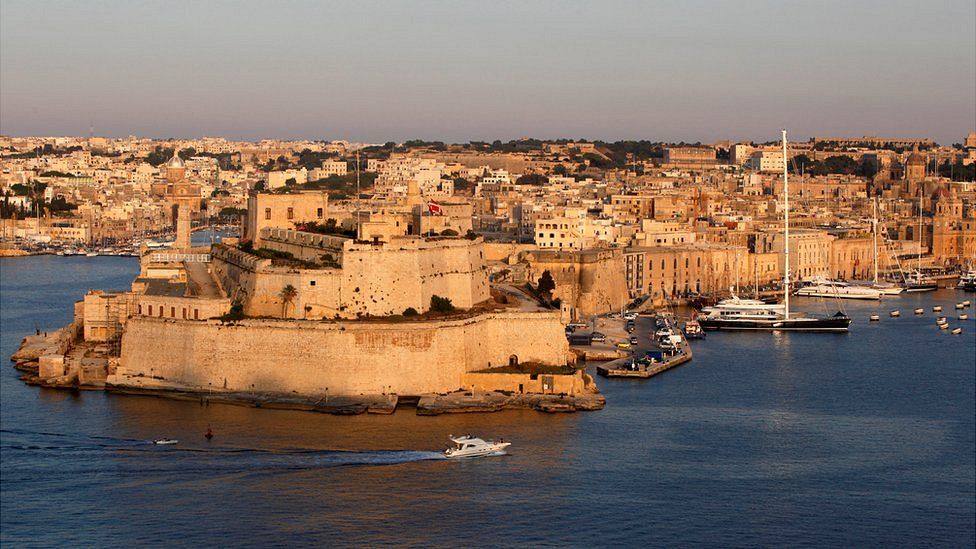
588,282
283,211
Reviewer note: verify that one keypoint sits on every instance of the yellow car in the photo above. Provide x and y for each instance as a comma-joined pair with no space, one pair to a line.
623,345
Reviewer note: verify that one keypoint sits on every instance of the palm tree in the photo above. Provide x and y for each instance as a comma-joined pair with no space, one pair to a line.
287,295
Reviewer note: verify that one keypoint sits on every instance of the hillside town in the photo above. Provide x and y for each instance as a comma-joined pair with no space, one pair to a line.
610,222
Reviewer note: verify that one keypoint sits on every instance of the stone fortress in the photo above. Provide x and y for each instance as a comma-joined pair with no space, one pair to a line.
291,316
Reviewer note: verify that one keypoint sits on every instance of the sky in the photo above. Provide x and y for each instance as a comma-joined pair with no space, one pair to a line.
459,71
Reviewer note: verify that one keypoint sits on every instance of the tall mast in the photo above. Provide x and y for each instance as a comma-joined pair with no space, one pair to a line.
359,222
874,205
786,232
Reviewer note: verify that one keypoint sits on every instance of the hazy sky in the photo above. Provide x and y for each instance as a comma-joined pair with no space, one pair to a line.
458,71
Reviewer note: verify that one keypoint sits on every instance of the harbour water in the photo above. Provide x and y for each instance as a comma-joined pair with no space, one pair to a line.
864,438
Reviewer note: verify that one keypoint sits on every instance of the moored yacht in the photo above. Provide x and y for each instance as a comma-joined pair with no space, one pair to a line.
823,287
751,314
917,282
471,446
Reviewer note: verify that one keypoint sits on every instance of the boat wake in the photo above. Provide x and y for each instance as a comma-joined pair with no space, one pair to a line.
139,454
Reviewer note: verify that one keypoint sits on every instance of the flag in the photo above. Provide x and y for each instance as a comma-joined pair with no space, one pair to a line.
434,208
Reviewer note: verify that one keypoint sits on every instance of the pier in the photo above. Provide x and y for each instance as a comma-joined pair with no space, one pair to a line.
629,368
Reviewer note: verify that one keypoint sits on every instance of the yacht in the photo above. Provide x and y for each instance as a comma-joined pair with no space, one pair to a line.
469,446
967,281
753,314
917,282
823,287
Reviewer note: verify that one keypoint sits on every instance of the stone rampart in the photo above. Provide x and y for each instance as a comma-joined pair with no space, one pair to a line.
340,358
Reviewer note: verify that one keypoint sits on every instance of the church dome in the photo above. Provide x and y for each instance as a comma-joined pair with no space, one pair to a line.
176,161
915,159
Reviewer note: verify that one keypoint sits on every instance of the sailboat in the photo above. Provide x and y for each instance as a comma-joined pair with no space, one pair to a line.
748,314
886,288
916,282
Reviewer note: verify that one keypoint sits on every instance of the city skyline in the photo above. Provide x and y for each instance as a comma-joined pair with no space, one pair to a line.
455,73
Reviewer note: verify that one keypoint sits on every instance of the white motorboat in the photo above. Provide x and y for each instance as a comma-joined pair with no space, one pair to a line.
957,331
937,309
165,441
895,314
875,318
963,317
823,287
469,446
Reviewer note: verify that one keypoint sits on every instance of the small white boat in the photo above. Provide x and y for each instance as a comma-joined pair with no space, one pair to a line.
963,317
920,311
957,331
959,306
937,309
165,441
942,319
895,314
875,318
966,303
469,446
944,326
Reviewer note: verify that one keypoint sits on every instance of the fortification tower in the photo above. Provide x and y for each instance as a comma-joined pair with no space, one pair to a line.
181,193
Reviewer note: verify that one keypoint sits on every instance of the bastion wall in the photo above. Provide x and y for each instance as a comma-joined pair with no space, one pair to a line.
377,280
343,358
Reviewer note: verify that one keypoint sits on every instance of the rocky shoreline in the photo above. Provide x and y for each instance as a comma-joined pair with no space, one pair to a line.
36,349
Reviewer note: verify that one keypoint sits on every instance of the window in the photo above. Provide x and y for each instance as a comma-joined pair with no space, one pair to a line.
291,213
139,309
196,314
172,312
311,283
184,313
319,212
267,213
150,310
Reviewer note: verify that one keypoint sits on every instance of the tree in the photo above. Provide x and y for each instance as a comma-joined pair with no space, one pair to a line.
440,304
410,311
532,179
546,284
287,295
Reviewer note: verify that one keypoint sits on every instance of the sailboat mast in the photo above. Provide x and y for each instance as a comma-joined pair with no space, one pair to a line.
786,232
874,205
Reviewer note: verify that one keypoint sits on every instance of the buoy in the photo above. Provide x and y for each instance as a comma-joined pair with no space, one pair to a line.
957,331
895,314
963,317
920,311
937,309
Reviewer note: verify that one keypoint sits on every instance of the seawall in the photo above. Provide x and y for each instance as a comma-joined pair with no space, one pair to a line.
335,358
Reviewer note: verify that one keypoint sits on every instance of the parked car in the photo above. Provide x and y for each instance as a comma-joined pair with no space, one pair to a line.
630,315
623,345
633,340
599,337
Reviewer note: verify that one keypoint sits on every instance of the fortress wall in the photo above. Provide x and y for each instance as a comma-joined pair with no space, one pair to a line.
375,280
348,358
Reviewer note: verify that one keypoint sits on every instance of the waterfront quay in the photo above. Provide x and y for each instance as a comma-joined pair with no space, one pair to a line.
666,359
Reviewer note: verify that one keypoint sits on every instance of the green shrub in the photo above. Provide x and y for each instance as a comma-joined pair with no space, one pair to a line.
440,304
